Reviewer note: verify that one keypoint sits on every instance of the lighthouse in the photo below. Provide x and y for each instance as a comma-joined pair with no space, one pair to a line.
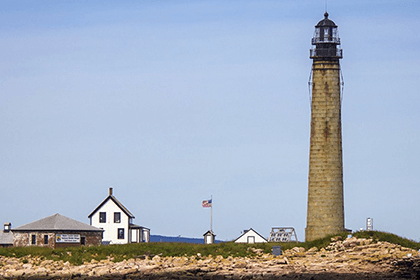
325,214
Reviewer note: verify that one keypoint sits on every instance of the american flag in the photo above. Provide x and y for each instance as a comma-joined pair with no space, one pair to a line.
206,203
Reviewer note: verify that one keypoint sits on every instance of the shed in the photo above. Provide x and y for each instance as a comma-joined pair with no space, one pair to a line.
6,236
209,237
250,236
56,231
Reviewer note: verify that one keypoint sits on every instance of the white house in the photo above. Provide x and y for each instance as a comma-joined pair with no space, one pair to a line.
117,223
250,236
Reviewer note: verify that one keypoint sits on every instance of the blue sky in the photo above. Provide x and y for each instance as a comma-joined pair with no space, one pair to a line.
170,102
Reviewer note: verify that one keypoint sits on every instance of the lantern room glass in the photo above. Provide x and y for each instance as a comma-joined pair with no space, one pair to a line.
326,35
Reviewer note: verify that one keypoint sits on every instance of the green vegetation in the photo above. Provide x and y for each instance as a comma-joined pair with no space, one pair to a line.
323,242
78,255
389,237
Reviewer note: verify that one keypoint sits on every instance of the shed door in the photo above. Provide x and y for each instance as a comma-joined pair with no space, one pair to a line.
208,239
251,239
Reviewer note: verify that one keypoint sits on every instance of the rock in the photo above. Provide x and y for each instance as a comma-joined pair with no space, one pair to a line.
313,249
255,250
336,238
12,261
156,258
27,266
298,249
15,273
101,271
239,265
284,260
342,257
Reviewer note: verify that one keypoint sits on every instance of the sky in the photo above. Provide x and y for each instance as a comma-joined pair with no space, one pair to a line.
174,102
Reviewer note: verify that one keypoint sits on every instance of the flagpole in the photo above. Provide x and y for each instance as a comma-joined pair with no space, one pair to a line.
211,214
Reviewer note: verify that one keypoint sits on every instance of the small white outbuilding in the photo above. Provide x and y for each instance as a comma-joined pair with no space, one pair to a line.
209,237
250,236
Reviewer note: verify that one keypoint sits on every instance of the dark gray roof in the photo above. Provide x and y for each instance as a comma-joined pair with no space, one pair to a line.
209,232
134,226
326,22
6,238
115,200
57,222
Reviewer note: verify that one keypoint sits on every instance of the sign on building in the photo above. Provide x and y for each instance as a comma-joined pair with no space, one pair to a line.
282,234
67,238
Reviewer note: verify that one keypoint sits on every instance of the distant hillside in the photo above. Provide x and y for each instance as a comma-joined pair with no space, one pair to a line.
180,239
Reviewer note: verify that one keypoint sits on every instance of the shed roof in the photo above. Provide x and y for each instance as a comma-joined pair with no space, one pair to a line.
116,201
57,222
209,232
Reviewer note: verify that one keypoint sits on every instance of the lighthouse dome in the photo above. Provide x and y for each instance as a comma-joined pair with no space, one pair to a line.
326,22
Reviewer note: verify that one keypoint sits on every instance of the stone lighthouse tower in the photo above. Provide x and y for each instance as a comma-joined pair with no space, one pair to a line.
325,187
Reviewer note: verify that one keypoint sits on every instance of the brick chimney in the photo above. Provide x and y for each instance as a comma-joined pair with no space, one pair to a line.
110,191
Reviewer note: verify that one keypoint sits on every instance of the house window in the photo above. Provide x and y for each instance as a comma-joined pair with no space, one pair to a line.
102,217
45,239
117,217
120,233
83,240
33,239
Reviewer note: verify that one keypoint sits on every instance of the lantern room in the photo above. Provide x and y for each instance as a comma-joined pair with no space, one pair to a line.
326,41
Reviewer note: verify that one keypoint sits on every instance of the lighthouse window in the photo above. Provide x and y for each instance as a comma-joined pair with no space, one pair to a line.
335,35
326,34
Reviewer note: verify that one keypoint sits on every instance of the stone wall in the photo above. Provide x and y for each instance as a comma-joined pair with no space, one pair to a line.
23,238
325,182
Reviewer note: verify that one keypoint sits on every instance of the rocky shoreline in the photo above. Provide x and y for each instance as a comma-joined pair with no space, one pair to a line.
343,259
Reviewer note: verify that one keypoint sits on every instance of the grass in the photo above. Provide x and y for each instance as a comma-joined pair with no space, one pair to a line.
389,237
79,255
